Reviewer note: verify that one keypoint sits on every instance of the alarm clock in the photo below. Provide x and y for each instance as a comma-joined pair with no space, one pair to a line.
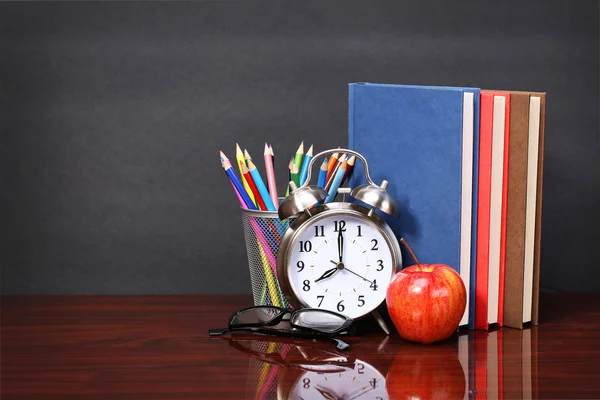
338,256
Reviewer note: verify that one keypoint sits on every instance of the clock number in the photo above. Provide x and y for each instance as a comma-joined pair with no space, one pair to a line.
340,306
374,285
305,246
320,298
306,286
379,265
319,231
360,368
374,241
300,266
341,225
359,230
373,383
361,300
306,383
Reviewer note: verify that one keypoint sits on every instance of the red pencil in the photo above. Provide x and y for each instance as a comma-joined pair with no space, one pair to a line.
257,196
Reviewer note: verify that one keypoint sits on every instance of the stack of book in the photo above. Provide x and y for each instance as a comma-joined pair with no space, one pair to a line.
466,166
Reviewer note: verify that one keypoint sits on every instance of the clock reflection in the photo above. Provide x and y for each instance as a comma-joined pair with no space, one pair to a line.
477,364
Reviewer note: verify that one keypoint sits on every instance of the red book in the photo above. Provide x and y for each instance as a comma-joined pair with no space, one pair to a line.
504,203
483,212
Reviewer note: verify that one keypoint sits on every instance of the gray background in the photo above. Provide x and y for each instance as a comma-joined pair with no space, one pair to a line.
113,115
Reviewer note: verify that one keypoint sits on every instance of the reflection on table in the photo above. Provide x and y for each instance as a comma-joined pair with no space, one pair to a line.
472,365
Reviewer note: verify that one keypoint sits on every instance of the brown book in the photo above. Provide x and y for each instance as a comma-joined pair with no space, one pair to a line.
538,213
515,210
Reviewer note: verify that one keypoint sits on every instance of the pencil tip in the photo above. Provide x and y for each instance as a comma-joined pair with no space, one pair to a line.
238,150
310,151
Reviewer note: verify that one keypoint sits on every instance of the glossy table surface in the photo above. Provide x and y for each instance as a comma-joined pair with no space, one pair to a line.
155,347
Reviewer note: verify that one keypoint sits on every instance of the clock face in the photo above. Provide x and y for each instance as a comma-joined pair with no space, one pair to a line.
341,263
361,382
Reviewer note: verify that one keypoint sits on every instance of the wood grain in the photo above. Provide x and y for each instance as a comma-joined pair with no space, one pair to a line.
130,347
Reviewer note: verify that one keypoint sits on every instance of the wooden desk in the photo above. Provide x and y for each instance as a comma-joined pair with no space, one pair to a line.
156,347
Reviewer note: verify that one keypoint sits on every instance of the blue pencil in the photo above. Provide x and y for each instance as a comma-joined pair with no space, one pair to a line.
260,185
323,173
339,175
304,170
236,182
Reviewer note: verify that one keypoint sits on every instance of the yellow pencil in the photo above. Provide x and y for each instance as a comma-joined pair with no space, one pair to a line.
239,156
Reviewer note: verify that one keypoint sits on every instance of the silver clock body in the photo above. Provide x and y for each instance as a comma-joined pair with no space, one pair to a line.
308,220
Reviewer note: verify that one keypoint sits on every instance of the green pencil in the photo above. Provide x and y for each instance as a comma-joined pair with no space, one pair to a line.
298,158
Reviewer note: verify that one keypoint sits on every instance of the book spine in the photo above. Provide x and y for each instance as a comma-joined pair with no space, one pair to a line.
504,208
474,208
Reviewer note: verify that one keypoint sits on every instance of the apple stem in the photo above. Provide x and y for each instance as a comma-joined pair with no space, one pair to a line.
411,252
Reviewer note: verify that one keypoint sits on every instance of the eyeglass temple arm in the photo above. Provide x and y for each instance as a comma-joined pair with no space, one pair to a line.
217,331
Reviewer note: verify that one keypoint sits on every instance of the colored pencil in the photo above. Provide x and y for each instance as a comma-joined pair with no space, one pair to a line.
261,186
323,174
236,182
255,191
305,162
239,196
334,172
247,156
266,261
271,176
298,156
287,188
336,182
294,174
239,156
331,164
349,169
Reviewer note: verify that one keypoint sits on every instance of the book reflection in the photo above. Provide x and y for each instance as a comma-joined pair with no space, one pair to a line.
500,364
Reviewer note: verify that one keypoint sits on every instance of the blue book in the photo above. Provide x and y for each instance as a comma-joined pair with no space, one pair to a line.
423,140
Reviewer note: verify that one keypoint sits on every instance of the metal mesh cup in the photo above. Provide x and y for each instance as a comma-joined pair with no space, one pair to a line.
263,231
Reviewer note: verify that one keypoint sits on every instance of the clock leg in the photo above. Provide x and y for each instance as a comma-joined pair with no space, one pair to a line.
381,322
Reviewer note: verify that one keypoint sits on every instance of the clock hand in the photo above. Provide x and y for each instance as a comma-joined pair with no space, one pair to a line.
325,393
340,241
356,397
327,274
361,277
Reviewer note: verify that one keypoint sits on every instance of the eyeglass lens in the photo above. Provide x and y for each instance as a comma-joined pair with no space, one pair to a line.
318,320
255,316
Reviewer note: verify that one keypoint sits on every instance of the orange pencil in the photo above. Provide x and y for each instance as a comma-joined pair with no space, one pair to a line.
331,164
349,169
335,170
257,196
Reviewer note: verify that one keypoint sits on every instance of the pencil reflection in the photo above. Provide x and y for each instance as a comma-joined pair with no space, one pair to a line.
474,365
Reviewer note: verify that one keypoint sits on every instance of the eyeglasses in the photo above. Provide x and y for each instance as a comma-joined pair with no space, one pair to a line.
303,323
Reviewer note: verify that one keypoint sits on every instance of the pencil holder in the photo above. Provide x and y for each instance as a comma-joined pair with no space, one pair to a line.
263,231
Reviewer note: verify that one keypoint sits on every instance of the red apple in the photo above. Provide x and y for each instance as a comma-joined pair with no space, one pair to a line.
426,301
